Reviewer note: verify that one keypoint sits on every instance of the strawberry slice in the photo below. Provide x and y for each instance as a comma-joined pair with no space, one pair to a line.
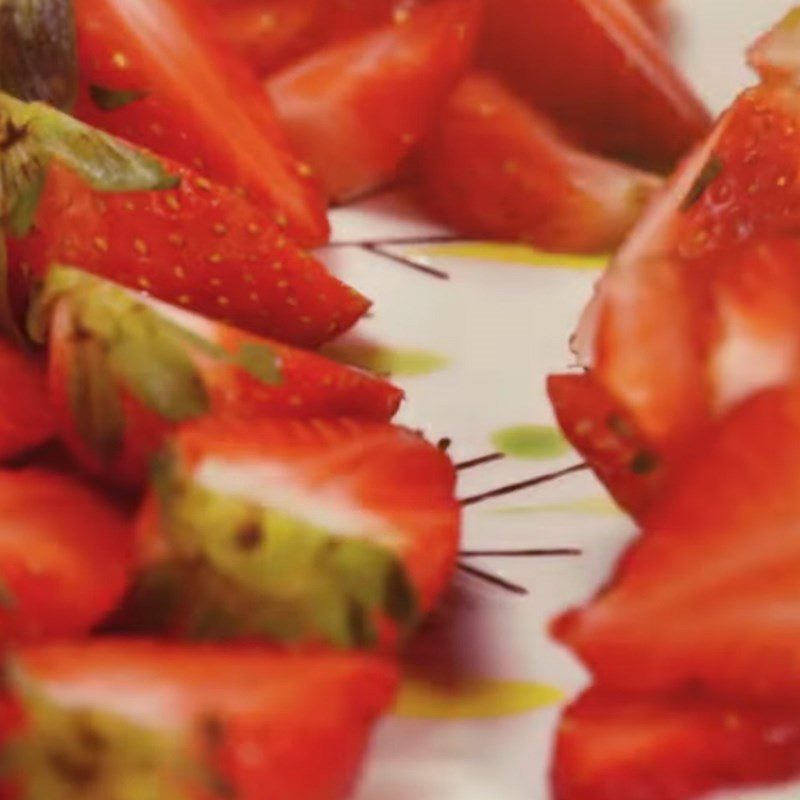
495,168
356,109
605,436
617,747
153,72
707,598
65,557
320,530
269,34
90,200
26,417
127,718
774,55
596,67
125,370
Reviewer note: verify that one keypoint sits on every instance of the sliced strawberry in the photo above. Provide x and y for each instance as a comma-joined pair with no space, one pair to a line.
708,597
268,34
596,67
26,418
356,109
298,530
153,72
775,54
493,167
617,747
97,203
116,718
125,370
605,436
65,557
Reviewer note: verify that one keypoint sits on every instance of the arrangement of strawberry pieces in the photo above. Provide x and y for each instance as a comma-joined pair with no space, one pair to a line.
299,530
107,717
693,351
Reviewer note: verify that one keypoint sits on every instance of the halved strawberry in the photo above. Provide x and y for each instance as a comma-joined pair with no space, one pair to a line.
268,34
26,417
125,370
297,530
154,72
620,747
493,167
65,556
356,109
775,54
596,67
127,718
77,196
606,437
710,596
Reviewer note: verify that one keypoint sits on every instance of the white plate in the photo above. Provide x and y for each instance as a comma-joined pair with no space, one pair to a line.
483,342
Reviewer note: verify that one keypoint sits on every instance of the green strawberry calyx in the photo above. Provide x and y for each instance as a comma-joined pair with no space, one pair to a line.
33,134
75,751
232,567
118,341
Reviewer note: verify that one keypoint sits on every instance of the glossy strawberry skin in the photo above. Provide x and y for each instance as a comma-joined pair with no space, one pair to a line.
66,556
26,417
614,746
197,104
199,246
595,67
493,167
308,386
355,109
295,721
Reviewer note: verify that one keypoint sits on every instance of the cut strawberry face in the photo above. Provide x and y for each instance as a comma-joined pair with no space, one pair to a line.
621,747
78,196
65,557
298,531
269,34
125,718
152,72
125,370
706,598
356,109
26,417
494,168
595,67
601,432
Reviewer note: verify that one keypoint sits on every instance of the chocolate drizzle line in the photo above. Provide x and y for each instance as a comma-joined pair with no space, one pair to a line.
531,553
479,462
494,580
517,487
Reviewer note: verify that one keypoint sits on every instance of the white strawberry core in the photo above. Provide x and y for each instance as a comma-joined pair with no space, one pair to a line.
273,485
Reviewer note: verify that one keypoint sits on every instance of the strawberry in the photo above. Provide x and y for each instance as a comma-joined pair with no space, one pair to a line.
618,747
297,530
26,418
596,67
125,718
605,436
774,55
706,599
92,201
354,110
269,34
125,370
154,73
495,168
65,556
